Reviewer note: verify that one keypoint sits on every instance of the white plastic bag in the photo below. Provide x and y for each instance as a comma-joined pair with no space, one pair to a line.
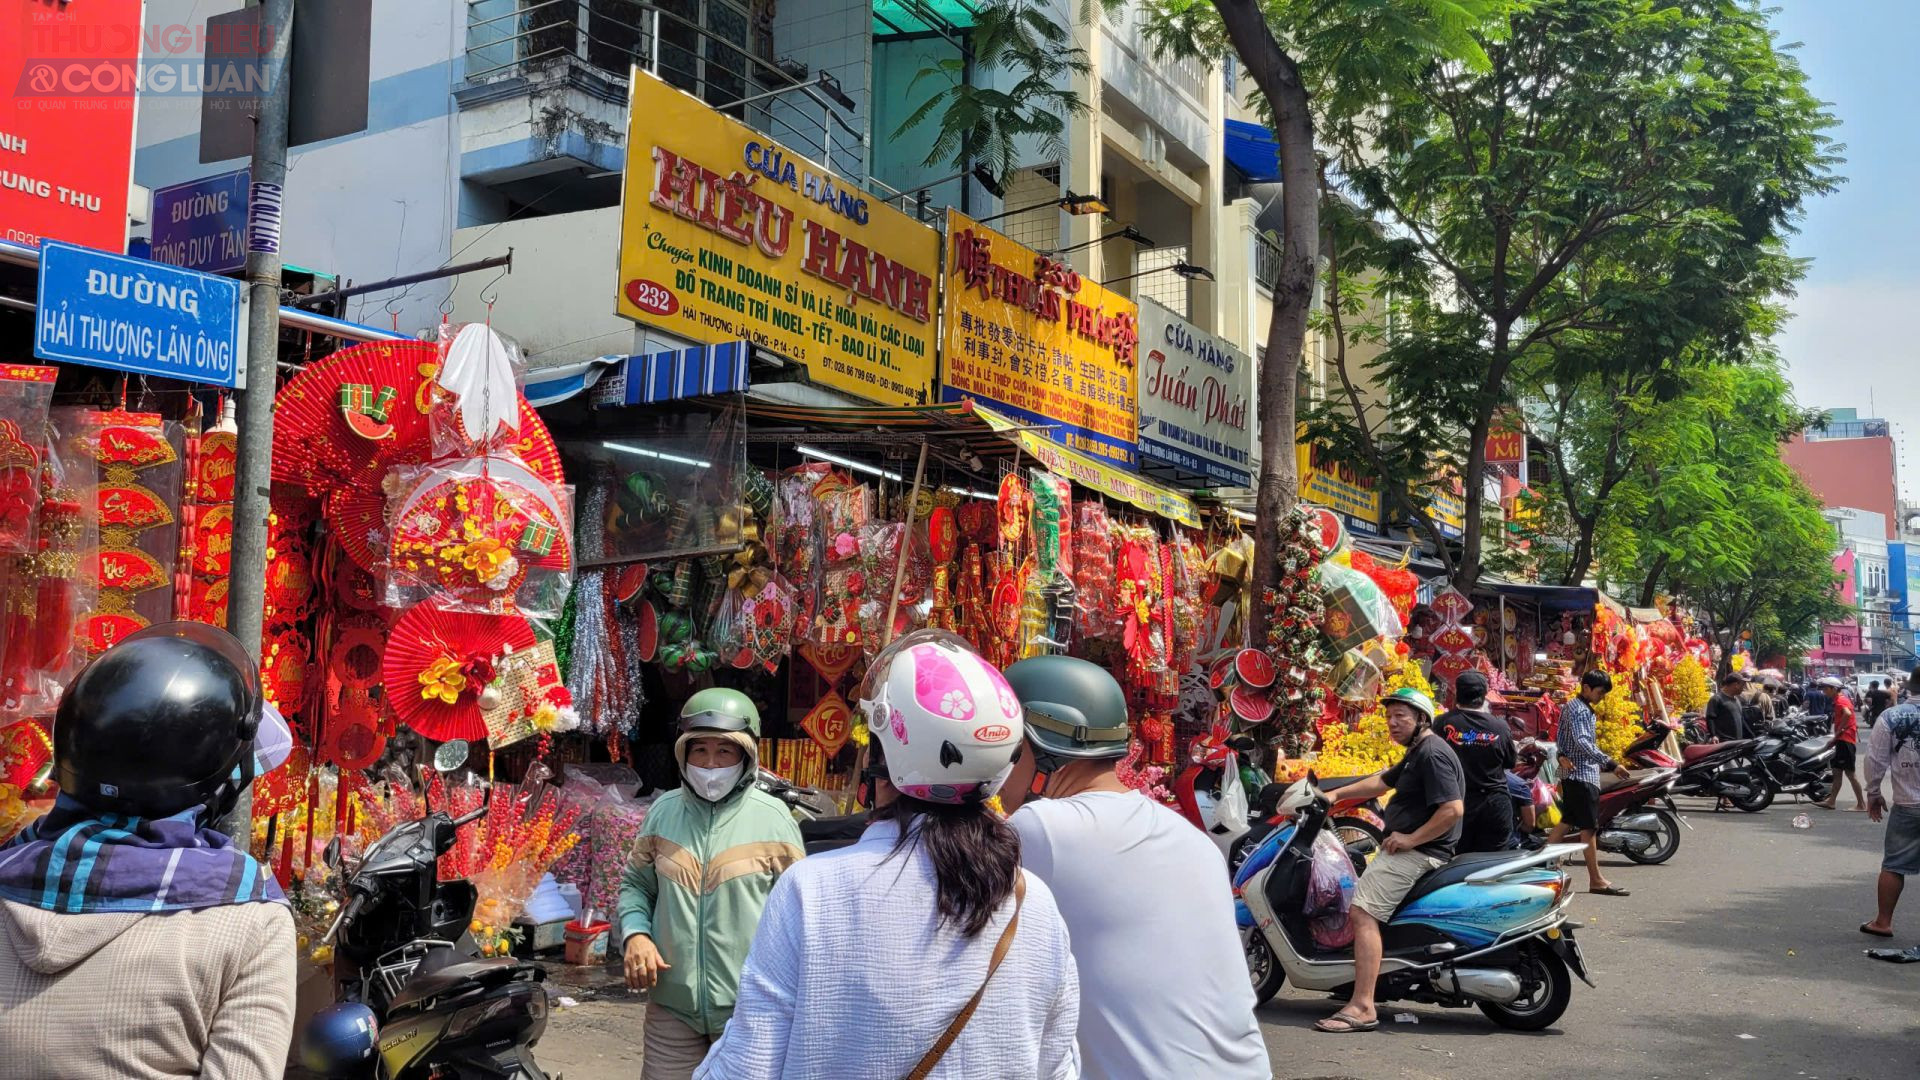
1231,810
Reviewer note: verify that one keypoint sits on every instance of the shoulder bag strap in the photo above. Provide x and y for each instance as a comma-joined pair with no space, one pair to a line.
940,1048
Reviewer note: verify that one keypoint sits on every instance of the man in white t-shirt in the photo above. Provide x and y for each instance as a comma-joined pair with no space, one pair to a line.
1146,897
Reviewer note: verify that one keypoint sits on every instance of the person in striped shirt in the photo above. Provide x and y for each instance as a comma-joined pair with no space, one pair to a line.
1580,762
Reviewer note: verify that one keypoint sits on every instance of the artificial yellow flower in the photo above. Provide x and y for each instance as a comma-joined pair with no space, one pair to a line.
485,557
442,681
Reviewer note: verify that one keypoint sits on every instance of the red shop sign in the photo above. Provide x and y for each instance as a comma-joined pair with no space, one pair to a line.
69,72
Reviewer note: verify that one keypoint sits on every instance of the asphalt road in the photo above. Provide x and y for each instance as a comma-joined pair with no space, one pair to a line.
1738,958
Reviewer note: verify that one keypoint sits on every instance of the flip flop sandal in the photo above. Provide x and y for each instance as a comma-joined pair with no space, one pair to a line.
1867,929
1349,1025
1611,890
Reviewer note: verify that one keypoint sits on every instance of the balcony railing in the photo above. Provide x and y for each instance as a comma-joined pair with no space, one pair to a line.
508,39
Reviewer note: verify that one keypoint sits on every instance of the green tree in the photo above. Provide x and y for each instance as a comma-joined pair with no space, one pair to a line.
977,123
1315,63
1708,511
1523,199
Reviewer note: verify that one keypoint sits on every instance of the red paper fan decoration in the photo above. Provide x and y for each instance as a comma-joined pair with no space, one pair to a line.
438,661
456,530
358,412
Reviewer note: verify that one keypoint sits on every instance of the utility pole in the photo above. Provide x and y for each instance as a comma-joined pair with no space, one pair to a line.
246,597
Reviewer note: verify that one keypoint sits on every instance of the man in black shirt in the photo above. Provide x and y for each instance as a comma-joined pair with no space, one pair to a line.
1423,825
1484,744
1879,700
1725,714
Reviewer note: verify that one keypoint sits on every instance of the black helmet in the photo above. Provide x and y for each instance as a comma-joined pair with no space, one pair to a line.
159,722
1074,708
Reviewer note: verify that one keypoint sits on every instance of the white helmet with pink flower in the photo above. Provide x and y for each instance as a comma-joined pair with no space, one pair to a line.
944,720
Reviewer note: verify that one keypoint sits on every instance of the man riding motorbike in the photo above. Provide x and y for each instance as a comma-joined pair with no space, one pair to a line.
1123,870
1423,825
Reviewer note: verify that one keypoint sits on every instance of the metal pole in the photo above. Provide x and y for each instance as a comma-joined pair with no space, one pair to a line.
246,599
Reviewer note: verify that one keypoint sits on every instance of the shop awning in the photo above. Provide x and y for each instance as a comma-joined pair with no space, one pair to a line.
1559,597
552,385
1251,148
964,426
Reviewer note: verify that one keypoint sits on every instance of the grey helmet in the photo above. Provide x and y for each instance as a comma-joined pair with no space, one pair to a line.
1074,708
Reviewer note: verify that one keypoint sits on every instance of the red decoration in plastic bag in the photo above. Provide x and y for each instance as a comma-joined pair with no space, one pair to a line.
26,747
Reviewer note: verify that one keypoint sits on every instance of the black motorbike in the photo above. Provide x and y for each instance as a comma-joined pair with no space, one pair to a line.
442,1012
1728,770
1798,759
822,826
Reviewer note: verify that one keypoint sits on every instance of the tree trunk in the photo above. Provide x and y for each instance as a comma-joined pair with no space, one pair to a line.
1582,558
1278,77
1651,587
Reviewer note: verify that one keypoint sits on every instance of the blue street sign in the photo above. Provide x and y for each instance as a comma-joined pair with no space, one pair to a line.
128,314
202,224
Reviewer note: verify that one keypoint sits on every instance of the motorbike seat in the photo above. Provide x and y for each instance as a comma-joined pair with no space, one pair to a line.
1455,872
1807,749
437,982
1331,785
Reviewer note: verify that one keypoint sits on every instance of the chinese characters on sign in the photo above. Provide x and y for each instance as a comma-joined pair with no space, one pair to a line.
1195,389
1029,336
728,236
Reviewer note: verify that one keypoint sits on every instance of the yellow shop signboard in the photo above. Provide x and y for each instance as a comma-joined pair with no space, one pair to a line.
1039,343
726,235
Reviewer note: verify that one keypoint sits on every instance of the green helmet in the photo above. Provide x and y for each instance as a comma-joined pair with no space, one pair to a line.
1407,695
1074,709
720,709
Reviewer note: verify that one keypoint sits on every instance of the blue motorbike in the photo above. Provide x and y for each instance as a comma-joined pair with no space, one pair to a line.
1487,929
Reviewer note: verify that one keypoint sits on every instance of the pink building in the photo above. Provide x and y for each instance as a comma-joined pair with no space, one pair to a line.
1849,471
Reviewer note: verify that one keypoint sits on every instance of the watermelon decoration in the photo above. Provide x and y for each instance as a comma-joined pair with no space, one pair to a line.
649,632
1255,668
1253,706
1222,671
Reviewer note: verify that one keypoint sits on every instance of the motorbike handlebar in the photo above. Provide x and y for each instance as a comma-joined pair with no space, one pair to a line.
470,818
347,914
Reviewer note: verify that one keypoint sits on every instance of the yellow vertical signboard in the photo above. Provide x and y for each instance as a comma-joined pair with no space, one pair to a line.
726,235
1040,343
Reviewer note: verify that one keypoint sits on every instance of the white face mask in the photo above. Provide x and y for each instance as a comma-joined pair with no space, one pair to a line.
714,784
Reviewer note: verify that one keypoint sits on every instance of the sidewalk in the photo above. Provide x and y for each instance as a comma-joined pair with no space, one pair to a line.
597,1037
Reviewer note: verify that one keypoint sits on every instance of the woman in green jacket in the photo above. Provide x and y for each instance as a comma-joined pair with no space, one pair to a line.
697,879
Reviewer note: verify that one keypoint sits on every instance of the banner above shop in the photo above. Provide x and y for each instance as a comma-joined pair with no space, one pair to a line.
726,235
143,317
1446,505
1038,342
1098,475
1338,486
1196,394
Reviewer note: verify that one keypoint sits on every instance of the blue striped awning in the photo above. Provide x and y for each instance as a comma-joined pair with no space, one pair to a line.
670,376
1253,150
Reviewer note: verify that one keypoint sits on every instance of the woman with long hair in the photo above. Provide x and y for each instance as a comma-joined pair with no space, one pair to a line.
923,950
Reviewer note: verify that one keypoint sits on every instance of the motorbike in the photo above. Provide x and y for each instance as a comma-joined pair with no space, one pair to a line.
1487,929
1631,825
1797,761
1728,770
1211,793
822,826
442,1012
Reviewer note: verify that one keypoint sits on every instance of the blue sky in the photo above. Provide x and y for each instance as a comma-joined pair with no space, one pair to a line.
1853,340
